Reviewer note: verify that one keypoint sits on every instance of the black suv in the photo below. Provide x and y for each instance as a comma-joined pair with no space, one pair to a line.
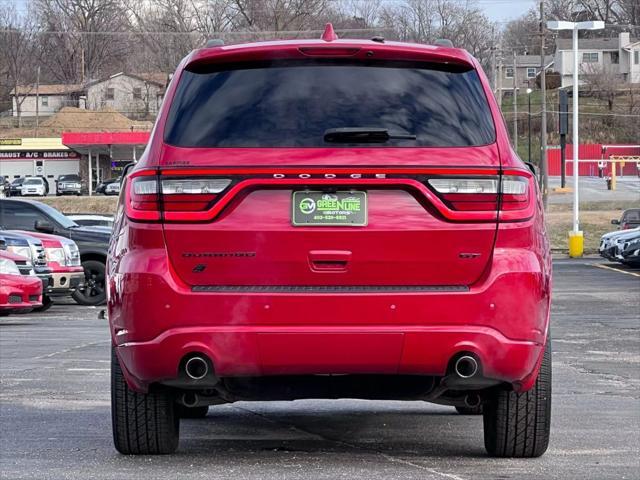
19,214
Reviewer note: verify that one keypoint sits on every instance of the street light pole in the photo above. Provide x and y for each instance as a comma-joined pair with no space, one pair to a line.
576,240
575,140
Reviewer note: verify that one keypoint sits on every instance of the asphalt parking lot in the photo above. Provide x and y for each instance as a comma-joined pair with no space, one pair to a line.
55,420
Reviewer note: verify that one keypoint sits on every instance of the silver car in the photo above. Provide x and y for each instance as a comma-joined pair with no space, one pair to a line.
69,185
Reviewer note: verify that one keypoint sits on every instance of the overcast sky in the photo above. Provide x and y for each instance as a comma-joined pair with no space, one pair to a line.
498,10
502,10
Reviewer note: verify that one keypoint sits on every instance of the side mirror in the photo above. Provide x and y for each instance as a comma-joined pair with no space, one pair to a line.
533,168
44,227
615,221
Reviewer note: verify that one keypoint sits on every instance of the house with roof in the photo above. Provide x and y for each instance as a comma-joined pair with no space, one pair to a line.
135,95
526,71
48,98
619,55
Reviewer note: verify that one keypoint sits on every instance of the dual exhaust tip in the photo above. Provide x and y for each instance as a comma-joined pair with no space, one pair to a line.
196,368
466,367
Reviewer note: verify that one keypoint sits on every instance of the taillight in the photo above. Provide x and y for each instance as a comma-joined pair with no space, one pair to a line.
150,195
142,200
191,194
515,193
483,194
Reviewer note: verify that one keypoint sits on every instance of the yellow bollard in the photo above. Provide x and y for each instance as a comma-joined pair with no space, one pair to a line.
613,175
576,244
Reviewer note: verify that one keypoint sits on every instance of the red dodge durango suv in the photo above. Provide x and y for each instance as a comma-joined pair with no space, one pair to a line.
326,219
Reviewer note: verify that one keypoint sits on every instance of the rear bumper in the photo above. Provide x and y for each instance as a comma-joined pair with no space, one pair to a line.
156,320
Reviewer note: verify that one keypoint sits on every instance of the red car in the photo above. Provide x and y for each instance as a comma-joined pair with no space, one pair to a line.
63,258
18,293
330,218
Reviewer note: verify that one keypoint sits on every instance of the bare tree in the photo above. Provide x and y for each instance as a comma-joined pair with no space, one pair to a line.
82,37
602,83
17,47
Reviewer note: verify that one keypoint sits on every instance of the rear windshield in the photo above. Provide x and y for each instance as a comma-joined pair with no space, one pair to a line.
294,104
69,178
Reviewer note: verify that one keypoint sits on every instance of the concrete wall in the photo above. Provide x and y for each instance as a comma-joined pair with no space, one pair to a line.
123,96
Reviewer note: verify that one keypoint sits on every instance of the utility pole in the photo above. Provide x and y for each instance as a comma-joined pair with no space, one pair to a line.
499,82
37,99
544,170
515,103
82,64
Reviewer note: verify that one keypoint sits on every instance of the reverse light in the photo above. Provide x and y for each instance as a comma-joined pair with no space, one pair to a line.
464,185
189,186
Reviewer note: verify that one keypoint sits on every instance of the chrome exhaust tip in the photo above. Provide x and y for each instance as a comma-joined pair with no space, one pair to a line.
466,366
196,368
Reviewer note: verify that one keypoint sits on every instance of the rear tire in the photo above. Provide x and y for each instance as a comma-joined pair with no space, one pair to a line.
519,424
470,410
143,424
193,412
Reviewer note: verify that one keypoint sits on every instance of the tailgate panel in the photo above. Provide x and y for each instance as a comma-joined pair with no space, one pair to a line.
254,243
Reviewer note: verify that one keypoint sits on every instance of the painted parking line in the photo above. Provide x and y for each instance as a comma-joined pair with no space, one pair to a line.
607,267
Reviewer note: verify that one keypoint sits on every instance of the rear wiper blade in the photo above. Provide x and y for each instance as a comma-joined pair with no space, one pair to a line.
363,135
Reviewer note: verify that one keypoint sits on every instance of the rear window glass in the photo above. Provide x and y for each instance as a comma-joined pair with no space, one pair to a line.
293,104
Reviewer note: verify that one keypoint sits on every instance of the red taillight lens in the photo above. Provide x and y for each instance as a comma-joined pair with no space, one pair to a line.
142,201
149,195
483,194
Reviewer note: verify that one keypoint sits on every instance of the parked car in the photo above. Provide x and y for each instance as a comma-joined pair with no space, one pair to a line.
69,185
631,253
32,250
612,242
311,208
103,185
15,189
63,258
34,186
112,189
20,214
5,186
18,293
630,219
91,220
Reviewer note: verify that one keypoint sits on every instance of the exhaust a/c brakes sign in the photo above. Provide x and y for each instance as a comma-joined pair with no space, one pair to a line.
337,208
